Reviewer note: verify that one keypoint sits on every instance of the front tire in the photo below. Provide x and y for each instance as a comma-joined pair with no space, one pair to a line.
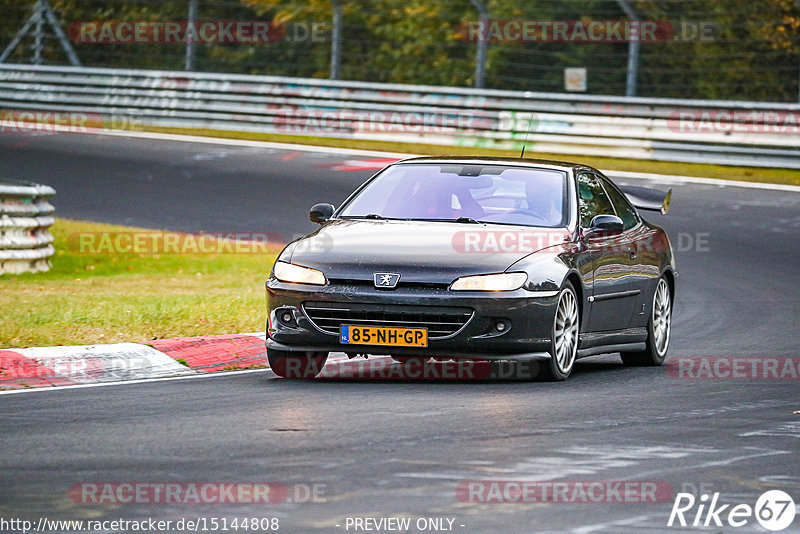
565,335
297,365
658,330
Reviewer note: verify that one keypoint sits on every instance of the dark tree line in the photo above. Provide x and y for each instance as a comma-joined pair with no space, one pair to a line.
751,53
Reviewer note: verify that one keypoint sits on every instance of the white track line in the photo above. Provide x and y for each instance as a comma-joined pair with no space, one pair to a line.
668,178
695,180
250,143
334,357
139,381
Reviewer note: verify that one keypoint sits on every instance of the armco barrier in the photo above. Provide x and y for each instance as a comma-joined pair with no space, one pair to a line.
25,220
724,132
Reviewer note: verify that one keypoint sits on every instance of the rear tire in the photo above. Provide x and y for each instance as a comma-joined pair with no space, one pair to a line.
658,330
296,365
564,336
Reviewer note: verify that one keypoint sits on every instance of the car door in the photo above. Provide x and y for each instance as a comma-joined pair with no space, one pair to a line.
614,293
645,264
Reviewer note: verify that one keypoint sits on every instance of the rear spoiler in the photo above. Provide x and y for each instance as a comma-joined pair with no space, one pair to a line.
645,198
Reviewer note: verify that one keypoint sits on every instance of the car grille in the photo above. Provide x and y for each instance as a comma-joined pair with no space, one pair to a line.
440,321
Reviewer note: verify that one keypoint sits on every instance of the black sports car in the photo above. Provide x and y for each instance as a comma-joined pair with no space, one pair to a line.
486,259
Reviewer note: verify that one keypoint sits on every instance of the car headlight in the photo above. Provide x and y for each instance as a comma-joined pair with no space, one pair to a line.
289,272
490,282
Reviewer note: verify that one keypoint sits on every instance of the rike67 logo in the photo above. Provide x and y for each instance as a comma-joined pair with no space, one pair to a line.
774,510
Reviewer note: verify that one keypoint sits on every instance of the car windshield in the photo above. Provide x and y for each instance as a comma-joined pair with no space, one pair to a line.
465,193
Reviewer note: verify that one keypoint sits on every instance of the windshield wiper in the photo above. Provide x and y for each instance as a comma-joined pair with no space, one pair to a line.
373,216
462,220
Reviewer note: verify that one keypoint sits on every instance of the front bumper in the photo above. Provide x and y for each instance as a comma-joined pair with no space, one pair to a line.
528,316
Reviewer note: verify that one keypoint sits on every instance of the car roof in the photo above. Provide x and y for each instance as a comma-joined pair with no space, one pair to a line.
493,160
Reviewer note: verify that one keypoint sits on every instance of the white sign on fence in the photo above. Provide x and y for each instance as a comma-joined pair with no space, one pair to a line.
575,79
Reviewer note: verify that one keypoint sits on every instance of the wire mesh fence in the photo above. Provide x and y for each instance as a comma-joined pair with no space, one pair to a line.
708,49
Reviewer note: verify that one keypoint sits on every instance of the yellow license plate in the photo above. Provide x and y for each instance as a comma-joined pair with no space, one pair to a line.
383,335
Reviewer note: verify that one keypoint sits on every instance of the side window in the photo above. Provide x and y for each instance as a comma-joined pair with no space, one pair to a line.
592,199
625,211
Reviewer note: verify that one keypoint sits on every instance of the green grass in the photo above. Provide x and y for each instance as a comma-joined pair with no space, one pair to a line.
113,297
726,172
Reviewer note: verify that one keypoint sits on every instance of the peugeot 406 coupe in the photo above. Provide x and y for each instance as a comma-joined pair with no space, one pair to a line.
485,259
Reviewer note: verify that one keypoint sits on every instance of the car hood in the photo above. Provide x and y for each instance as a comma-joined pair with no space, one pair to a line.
420,251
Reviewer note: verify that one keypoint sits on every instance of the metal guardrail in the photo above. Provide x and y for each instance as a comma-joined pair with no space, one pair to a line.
25,220
706,131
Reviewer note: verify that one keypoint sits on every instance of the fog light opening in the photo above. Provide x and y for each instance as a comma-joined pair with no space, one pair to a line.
286,317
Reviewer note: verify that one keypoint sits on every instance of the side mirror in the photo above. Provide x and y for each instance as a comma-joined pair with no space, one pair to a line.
320,213
604,225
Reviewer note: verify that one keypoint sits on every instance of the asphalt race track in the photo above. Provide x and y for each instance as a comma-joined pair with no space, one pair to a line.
387,448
